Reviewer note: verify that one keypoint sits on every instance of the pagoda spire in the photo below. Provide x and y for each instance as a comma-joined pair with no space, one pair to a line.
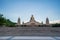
18,22
47,21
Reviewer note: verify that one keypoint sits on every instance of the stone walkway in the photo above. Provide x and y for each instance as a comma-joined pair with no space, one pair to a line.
28,38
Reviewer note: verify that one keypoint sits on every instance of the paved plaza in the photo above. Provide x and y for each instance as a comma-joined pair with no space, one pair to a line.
28,38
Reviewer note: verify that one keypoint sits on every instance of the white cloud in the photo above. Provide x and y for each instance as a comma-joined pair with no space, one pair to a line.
55,21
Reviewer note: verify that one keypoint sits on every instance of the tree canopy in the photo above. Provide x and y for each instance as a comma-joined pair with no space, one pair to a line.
6,22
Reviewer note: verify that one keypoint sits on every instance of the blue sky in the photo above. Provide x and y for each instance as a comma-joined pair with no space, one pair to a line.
12,9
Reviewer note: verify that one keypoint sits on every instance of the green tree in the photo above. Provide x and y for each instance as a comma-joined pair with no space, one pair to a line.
56,25
6,22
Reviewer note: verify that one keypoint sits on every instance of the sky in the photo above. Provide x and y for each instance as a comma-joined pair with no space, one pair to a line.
41,9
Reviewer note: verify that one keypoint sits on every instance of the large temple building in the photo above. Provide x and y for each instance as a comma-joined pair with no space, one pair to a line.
32,22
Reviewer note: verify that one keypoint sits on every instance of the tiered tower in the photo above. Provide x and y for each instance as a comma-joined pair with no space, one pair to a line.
18,22
47,21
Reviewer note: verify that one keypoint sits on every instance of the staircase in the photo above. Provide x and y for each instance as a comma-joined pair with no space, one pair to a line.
28,31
